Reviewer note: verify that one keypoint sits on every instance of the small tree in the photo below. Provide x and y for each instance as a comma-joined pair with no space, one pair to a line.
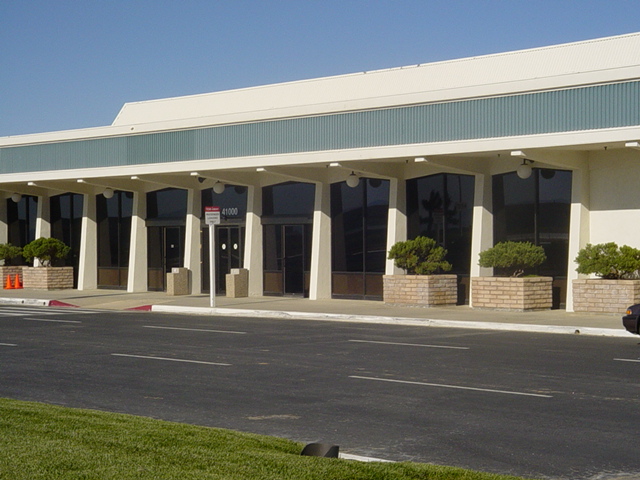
515,256
606,260
8,252
420,256
45,250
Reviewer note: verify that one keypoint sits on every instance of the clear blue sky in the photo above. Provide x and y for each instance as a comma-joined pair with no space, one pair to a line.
68,64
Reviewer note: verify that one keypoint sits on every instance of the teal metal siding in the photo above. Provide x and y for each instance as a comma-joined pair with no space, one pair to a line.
586,108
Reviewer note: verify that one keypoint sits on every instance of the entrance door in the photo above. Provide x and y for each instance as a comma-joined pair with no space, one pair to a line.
293,259
229,254
165,251
286,252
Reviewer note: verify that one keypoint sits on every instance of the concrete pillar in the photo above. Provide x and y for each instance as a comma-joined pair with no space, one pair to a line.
43,221
88,261
578,226
4,225
192,249
482,232
138,275
253,241
320,284
397,220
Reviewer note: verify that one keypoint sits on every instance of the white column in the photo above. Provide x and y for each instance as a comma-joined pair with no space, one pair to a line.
138,275
397,220
482,232
192,241
4,225
320,284
43,221
88,261
253,241
578,226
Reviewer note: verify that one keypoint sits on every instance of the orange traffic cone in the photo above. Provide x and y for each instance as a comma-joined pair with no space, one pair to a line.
8,285
17,283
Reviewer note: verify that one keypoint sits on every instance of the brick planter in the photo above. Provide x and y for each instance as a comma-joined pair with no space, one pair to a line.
597,295
47,278
512,293
420,290
12,271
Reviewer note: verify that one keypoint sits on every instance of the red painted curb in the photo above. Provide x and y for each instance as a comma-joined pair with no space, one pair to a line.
142,308
58,303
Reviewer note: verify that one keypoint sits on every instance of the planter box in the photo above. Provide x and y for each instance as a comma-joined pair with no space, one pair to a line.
47,278
597,295
420,290
512,293
12,271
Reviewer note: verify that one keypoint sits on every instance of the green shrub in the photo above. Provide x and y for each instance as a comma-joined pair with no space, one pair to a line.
420,256
606,260
45,250
8,252
513,256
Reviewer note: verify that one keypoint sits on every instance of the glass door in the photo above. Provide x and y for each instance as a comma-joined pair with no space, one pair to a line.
165,251
287,253
229,254
293,259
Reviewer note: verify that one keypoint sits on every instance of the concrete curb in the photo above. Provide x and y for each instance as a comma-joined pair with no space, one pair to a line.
25,301
423,322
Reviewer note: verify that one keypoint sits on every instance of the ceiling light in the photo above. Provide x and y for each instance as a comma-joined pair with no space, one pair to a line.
353,180
524,169
218,187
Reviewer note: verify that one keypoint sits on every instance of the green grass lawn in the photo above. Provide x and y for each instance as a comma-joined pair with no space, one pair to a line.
40,441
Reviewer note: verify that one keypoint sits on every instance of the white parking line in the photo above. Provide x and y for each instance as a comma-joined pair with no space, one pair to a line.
43,311
411,344
170,359
627,360
458,387
50,320
194,329
8,345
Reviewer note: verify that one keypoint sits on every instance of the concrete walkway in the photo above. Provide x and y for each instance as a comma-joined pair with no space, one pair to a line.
550,321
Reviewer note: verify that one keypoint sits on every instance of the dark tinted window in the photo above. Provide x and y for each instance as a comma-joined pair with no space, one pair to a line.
291,199
167,204
441,207
536,210
232,202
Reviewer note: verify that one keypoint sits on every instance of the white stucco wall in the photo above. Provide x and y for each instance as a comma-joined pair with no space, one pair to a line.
615,197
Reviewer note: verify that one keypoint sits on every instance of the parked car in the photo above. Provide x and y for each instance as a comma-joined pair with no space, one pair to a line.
631,320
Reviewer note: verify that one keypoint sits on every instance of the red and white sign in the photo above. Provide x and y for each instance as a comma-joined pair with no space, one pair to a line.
212,215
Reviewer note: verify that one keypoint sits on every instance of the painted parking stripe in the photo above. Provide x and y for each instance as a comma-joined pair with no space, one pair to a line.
627,360
45,310
50,320
170,359
411,344
457,387
195,329
8,345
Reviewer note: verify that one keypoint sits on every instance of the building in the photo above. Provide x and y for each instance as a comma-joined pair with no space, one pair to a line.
316,179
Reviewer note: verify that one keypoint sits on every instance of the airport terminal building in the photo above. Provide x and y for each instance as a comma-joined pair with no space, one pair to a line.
316,179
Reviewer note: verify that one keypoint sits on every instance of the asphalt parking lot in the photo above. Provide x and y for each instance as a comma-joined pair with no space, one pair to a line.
507,402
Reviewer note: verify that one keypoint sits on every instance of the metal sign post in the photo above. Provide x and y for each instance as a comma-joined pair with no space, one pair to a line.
212,218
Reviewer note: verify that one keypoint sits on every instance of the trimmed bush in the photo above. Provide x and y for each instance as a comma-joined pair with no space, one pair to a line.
420,256
608,261
45,250
513,256
8,252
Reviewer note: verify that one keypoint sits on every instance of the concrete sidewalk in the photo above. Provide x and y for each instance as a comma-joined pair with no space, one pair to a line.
549,321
